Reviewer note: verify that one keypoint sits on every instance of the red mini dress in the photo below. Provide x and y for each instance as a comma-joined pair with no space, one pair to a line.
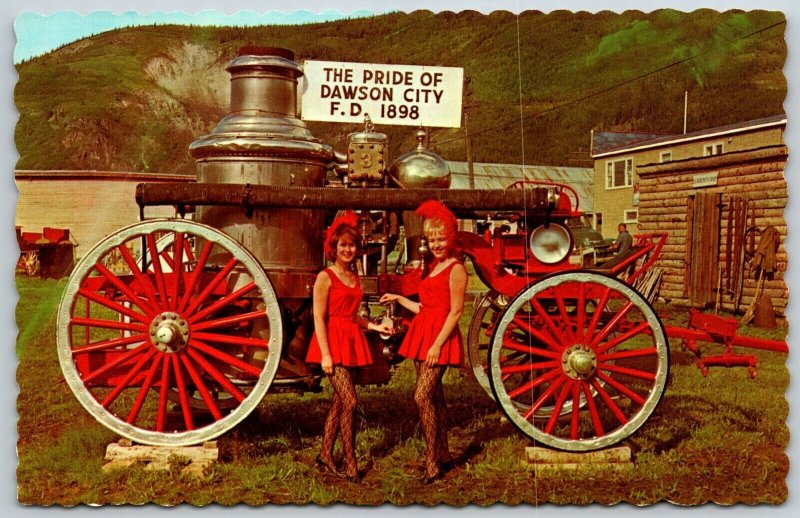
434,299
346,342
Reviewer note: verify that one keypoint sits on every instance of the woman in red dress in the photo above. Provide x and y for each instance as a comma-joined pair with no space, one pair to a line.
338,343
433,339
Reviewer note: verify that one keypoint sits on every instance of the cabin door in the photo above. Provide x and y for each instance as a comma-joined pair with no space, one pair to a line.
702,248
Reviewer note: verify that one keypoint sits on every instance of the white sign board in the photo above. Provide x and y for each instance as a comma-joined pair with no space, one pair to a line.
405,95
704,180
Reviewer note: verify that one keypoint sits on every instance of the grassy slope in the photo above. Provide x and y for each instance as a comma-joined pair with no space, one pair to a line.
562,57
720,438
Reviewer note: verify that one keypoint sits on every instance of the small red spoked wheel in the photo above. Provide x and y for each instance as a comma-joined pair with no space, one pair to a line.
479,337
173,351
578,361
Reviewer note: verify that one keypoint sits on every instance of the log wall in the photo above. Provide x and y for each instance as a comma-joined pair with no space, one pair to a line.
757,175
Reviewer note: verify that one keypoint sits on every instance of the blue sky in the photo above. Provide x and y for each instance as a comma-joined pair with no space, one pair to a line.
38,34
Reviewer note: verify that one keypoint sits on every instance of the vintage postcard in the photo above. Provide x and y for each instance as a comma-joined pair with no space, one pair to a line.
402,257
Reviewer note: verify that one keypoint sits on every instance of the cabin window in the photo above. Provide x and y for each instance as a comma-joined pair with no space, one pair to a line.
666,156
619,173
631,216
716,148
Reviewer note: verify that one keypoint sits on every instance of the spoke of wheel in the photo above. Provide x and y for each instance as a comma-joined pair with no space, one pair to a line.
545,396
189,253
163,395
115,363
107,324
527,387
114,280
143,280
635,373
622,338
186,410
177,267
598,312
148,382
227,358
110,304
580,310
224,301
217,375
528,367
233,340
87,332
530,349
525,326
562,310
198,271
609,402
167,259
637,353
548,322
222,322
155,260
574,422
619,387
108,344
598,424
612,324
123,384
201,387
565,391
211,285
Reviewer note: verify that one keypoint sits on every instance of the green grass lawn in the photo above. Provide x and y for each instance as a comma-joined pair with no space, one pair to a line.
720,438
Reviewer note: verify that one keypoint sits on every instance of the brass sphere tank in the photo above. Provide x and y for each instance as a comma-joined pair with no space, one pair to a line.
421,168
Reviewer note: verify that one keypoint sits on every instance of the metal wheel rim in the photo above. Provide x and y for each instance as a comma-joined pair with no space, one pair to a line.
145,436
483,305
509,407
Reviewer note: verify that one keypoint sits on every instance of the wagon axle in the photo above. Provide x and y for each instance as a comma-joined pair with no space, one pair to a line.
169,333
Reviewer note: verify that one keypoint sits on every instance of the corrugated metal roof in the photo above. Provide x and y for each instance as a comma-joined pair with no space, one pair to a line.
659,140
498,176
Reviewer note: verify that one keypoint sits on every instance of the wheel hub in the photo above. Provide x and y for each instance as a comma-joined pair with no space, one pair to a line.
579,362
169,333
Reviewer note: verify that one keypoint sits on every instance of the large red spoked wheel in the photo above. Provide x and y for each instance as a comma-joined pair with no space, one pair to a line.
583,342
173,351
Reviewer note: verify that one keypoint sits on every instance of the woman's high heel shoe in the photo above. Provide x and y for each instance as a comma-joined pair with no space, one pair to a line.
324,466
431,478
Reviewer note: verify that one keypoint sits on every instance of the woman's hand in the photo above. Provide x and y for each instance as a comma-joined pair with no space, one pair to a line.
390,297
432,357
327,364
382,328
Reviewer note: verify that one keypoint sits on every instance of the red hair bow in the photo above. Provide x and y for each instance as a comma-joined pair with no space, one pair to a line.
434,210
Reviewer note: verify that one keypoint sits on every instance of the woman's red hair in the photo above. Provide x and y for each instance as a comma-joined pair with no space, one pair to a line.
346,223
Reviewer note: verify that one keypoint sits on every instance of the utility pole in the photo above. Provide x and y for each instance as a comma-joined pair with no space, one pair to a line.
685,108
468,104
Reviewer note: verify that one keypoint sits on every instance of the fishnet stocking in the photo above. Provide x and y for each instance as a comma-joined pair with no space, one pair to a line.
341,417
429,396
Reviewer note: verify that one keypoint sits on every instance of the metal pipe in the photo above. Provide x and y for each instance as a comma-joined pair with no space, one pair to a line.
261,196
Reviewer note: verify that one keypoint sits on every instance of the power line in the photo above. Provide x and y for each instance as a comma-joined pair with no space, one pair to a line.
610,88
406,27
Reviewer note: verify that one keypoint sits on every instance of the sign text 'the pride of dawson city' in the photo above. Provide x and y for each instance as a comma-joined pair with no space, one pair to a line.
391,94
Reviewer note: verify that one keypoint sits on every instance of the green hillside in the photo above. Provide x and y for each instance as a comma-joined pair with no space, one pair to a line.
133,99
